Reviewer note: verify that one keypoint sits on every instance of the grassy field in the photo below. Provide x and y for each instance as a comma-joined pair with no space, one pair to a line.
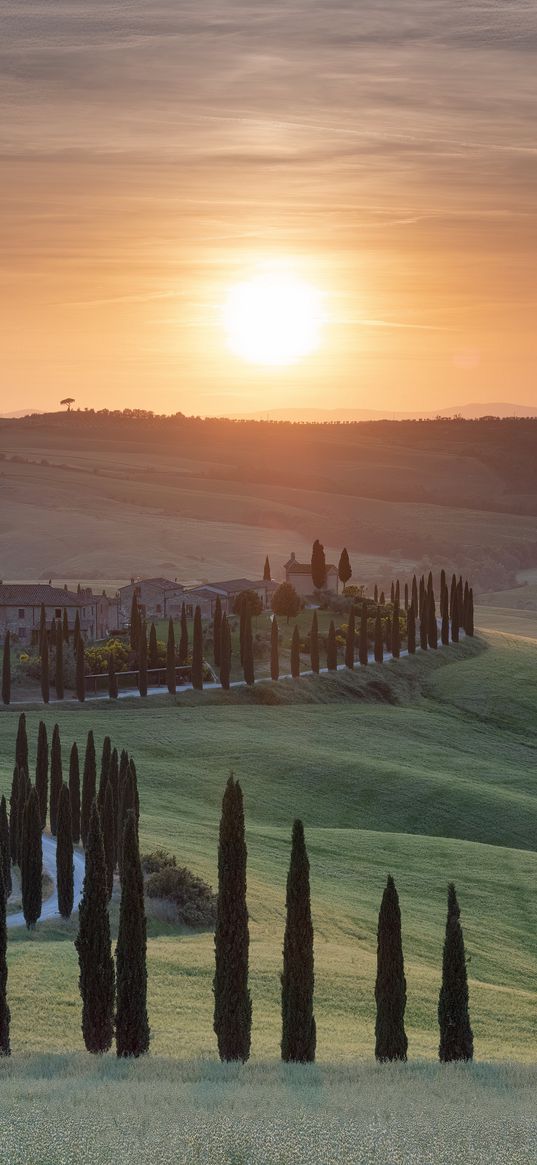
435,781
199,1113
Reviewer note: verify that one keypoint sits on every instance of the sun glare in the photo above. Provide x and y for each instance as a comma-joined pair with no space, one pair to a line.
274,318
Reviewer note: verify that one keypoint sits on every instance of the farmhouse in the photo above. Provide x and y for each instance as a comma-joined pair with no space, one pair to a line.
299,575
157,597
20,610
228,591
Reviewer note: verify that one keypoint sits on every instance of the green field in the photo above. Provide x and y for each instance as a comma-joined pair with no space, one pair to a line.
437,784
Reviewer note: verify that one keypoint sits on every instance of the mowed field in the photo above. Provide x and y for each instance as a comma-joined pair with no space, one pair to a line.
438,784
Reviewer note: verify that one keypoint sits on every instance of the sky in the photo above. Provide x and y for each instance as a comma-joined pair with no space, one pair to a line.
154,155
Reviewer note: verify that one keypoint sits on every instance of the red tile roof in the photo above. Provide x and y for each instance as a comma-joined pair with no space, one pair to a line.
33,594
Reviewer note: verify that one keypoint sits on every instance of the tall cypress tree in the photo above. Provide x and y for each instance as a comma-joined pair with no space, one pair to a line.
318,566
452,591
242,631
77,634
81,670
266,570
379,638
414,596
113,776
396,632
171,675
106,754
74,792
25,786
112,677
31,862
89,782
314,643
109,827
142,660
248,650
52,635
132,1025
153,647
128,800
56,777
432,627
469,628
274,650
93,944
363,649
65,626
58,677
456,1038
411,630
444,611
41,771
406,596
390,989
45,677
14,818
135,623
232,1003
331,648
217,632
397,593
375,594
6,670
225,653
5,1016
298,1021
392,593
344,567
295,653
388,633
183,641
349,644
421,597
455,617
64,855
424,622
197,652
42,628
5,851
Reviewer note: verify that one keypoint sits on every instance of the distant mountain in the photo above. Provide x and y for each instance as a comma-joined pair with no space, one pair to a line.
21,413
469,412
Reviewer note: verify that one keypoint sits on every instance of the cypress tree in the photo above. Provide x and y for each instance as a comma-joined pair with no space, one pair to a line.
45,679
432,627
331,648
197,652
135,623
430,583
225,653
132,1025
52,634
266,570
388,633
397,593
396,633
274,650
58,678
390,989
452,591
183,641
363,648
42,628
5,1016
295,653
248,650
298,1021
421,597
31,862
344,567
217,632
153,647
113,777
382,600
89,781
392,593
41,771
64,855
109,837
469,628
56,778
5,849
379,640
6,670
95,959
142,660
232,1003
443,584
376,594
465,604
65,626
406,596
424,623
414,597
74,792
349,644
314,643
171,675
242,632
128,800
112,677
444,611
13,818
106,756
77,634
25,785
80,671
455,617
456,1038
411,630
318,566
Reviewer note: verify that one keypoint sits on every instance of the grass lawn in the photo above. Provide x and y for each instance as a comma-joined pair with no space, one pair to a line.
438,784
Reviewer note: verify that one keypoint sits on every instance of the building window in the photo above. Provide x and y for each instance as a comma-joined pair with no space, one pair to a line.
21,613
58,613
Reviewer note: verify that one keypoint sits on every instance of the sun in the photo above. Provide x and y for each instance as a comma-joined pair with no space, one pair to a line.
274,318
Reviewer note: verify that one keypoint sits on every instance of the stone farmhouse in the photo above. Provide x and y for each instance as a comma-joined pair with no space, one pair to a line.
157,597
20,610
299,575
205,596
160,598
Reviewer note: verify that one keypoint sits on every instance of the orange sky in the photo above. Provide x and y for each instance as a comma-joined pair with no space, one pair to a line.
153,154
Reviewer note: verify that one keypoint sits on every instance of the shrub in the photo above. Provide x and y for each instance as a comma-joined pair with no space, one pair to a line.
157,860
193,899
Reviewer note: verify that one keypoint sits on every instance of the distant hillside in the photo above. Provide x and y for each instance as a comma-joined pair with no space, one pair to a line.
469,412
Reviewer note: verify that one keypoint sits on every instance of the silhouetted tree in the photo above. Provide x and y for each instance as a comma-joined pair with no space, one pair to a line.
135,623
225,653
455,617
406,596
314,644
411,630
363,649
5,1016
14,818
298,1021
64,855
444,611
469,628
56,777
375,594
171,674
349,644
77,634
142,660
65,626
74,793
93,944
31,862
432,627
132,1025
274,650
232,1003
89,782
45,677
25,786
295,653
42,628
266,571
379,638
456,1038
396,631
388,633
248,649
392,593
217,631
390,989
183,641
6,670
5,850
424,622
81,670
285,601
318,566
153,647
58,675
414,596
331,648
109,828
128,800
344,568
106,755
197,652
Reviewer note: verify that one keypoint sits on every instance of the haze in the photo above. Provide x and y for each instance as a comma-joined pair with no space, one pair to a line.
153,155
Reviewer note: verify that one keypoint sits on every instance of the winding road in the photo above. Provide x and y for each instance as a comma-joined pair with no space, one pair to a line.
50,905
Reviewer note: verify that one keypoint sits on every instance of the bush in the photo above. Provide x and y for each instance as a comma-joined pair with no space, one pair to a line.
157,860
194,900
